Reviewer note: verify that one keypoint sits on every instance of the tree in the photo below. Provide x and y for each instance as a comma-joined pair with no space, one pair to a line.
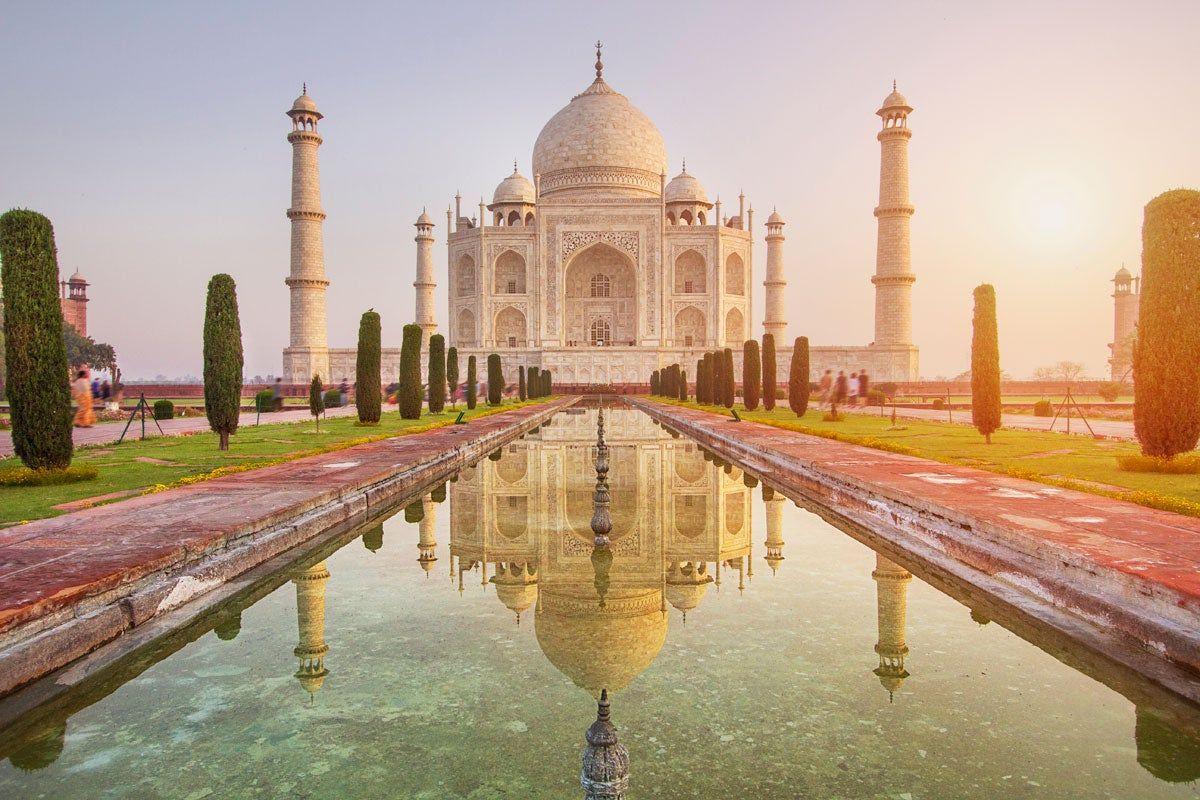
367,382
769,379
700,380
716,379
1066,371
521,382
751,374
798,378
683,387
495,380
727,376
222,358
1166,367
547,383
452,375
533,381
316,399
86,350
35,356
437,373
654,381
472,383
409,393
985,364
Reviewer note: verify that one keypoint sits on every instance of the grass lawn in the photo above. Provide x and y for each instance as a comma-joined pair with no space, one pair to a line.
140,465
1077,462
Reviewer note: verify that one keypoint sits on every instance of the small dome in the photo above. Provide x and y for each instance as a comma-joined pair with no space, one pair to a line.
895,100
423,220
77,278
775,219
305,103
516,188
1122,275
684,188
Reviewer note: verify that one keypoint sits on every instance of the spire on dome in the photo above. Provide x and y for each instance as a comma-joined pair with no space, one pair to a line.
599,63
304,87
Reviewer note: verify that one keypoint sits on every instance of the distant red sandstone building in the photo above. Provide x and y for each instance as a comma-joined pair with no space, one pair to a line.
73,296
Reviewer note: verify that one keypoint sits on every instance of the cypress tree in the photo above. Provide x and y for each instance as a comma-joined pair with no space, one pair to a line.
727,375
409,393
654,382
769,378
667,379
751,374
452,375
222,358
437,373
699,380
1166,367
35,355
316,399
985,364
683,387
472,383
547,383
521,382
533,382
716,380
798,381
367,383
495,380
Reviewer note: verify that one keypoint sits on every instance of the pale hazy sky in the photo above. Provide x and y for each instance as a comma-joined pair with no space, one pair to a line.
153,135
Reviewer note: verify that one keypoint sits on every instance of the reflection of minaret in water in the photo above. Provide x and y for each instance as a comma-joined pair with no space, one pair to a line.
891,591
774,542
310,619
427,537
605,773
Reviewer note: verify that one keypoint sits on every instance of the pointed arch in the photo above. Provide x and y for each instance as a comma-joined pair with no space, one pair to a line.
735,328
689,328
464,275
691,273
510,273
464,327
510,328
735,275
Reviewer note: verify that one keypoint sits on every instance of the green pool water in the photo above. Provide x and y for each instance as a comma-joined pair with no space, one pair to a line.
751,648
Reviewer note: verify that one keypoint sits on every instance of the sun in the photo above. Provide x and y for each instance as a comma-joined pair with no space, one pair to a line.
1051,209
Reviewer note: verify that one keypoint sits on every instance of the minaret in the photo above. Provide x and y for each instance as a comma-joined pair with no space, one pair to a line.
427,536
1126,296
424,284
774,530
310,619
605,773
891,593
893,277
775,321
307,353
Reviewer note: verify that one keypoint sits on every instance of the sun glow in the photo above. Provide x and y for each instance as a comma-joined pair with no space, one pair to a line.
1052,209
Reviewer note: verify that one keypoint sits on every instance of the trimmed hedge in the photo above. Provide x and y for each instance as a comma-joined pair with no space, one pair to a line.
332,398
316,399
368,382
452,375
409,394
222,358
799,382
164,409
751,374
1042,408
728,389
654,383
437,373
985,364
521,388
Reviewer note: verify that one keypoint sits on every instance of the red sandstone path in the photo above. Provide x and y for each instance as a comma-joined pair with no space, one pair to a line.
107,432
1108,428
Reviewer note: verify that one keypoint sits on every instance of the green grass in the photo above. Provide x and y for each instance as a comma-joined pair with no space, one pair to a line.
1076,462
192,458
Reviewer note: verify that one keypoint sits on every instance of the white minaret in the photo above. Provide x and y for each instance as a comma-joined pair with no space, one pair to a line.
893,277
307,353
775,321
424,283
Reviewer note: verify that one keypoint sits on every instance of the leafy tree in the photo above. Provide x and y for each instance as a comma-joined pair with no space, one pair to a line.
368,383
222,358
1166,364
985,364
316,399
521,382
452,375
409,393
437,373
472,383
86,350
769,379
35,356
751,374
1065,371
729,390
495,380
798,378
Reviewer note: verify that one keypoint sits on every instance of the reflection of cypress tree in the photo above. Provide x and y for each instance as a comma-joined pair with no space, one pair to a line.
373,538
602,558
414,512
42,748
1165,751
978,617
229,625
438,495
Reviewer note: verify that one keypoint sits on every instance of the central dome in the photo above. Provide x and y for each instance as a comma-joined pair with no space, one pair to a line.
600,144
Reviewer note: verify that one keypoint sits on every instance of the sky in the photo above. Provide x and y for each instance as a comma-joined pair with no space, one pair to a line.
154,137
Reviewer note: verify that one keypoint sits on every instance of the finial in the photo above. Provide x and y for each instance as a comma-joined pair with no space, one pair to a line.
599,63
304,88
685,165
603,707
893,84
514,166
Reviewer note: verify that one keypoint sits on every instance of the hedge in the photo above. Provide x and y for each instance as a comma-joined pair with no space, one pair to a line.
799,388
472,383
769,378
495,376
437,373
751,374
164,409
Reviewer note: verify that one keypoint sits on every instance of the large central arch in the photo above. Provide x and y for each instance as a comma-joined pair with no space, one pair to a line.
601,293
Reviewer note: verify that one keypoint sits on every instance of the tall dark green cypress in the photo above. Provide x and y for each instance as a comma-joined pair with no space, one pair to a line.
799,387
716,380
35,355
769,377
547,383
531,379
452,375
472,383
751,374
495,380
730,389
409,393
367,383
437,373
654,381
521,389
699,380
683,386
985,364
316,399
222,358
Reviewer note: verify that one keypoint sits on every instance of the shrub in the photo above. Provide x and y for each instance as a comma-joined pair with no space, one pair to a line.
263,401
832,416
409,393
452,375
751,374
316,399
770,381
1166,370
1042,408
164,409
521,390
437,373
716,382
495,389
1110,390
799,384
332,398
472,383
1185,464
34,352
888,388
875,397
938,403
367,380
222,358
985,364
24,476
729,389
547,383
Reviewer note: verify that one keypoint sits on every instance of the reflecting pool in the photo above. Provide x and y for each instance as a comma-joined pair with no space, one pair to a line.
750,648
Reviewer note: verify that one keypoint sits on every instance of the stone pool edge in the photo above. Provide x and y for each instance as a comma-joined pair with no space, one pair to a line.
45,643
1136,608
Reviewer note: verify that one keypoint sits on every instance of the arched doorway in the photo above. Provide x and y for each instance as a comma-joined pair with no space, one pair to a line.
601,297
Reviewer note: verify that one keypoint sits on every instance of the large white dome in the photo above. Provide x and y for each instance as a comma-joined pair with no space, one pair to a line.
600,143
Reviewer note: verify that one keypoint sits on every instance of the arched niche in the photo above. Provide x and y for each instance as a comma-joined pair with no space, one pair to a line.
510,273
691,273
735,327
689,328
464,274
510,328
464,327
601,284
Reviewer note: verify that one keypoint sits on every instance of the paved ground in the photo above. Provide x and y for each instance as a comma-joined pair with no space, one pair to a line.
105,432
1109,429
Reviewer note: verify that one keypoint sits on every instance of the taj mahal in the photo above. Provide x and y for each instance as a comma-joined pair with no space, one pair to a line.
601,269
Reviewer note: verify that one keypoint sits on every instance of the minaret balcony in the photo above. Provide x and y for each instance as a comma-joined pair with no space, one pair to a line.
899,210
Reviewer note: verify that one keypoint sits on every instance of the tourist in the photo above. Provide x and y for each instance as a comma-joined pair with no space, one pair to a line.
344,391
81,392
106,395
825,388
277,395
95,388
840,389
852,389
864,387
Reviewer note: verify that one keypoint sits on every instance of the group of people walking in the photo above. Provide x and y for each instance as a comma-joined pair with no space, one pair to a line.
841,390
85,391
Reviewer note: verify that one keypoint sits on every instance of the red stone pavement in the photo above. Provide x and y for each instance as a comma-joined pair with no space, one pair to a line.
51,564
